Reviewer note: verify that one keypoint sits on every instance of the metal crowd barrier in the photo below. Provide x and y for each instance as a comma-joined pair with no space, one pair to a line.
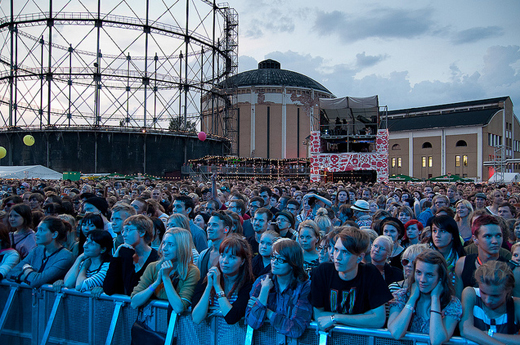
42,316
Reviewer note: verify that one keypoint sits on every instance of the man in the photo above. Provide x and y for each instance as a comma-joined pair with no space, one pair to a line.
260,223
346,291
254,204
219,225
361,212
285,221
293,207
480,201
120,212
506,211
451,193
487,236
438,202
140,206
266,194
183,204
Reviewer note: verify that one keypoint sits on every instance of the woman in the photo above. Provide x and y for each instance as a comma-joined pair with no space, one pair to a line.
283,295
49,261
462,217
90,221
498,198
225,289
174,277
407,261
132,257
342,198
23,238
201,220
9,257
446,240
395,229
404,214
90,268
158,232
379,253
427,305
491,314
308,238
322,220
262,263
413,229
178,220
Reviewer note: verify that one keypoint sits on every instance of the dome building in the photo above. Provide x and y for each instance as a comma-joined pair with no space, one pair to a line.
273,112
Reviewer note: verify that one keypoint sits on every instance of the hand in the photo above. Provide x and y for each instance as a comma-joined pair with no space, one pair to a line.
251,302
87,264
81,257
58,285
266,283
166,268
437,291
415,292
216,278
325,323
96,292
124,245
211,278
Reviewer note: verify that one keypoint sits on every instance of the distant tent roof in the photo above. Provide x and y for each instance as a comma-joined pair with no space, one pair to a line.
29,171
508,178
363,109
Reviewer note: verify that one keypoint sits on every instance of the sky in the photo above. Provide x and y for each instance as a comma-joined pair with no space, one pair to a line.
409,53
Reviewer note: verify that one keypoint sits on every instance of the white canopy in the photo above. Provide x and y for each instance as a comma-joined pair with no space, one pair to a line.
508,178
29,171
356,111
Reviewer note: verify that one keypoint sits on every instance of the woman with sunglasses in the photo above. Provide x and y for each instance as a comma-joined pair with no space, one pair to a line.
225,289
172,278
428,304
282,296
407,260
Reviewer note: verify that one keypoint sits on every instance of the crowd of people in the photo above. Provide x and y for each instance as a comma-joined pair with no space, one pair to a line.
439,259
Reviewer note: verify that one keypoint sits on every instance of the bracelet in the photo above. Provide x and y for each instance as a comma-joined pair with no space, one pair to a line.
151,288
491,333
221,294
435,311
412,309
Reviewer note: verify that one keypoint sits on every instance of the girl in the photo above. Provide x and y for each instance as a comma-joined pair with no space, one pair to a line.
225,289
90,221
49,261
132,257
491,314
174,277
413,229
23,238
379,253
262,262
178,220
90,268
282,296
427,305
446,239
462,217
308,238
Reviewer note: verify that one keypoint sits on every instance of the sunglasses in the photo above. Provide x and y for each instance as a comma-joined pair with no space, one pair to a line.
405,262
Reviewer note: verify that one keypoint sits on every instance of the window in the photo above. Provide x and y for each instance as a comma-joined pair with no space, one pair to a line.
399,162
430,161
465,160
396,147
393,162
457,161
461,143
427,145
424,162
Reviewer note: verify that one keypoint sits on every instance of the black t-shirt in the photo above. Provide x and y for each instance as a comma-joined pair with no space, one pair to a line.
365,292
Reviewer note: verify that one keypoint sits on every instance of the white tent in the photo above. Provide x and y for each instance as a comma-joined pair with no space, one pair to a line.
508,178
29,171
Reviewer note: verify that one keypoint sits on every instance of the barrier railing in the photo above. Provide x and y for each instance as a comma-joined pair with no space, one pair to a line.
42,316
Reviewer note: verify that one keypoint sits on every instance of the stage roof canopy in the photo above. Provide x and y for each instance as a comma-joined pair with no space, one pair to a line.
361,110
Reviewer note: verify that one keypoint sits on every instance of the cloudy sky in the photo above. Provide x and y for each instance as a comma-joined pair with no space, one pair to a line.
410,53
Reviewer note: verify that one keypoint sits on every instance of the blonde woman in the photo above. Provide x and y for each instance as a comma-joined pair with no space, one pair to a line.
308,238
463,218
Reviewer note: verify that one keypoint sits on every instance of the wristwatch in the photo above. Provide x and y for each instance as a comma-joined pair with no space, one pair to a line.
333,319
491,333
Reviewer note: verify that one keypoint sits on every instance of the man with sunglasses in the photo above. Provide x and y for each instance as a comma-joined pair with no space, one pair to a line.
346,291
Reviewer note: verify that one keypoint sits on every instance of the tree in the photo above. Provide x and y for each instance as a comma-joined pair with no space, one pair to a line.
177,124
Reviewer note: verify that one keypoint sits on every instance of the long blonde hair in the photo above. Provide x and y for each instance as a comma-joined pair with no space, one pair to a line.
184,243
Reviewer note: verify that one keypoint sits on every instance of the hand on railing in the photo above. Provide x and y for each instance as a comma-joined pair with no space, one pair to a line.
58,285
96,292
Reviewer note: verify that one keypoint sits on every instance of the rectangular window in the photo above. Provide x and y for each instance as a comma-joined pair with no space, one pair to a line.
399,162
465,160
489,140
393,162
424,162
430,161
457,161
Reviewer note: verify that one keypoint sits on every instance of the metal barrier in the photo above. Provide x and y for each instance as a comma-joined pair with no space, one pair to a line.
42,316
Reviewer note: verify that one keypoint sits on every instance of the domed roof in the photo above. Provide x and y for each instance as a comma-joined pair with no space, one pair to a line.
270,73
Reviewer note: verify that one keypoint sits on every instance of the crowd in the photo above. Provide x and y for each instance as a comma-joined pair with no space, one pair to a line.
435,259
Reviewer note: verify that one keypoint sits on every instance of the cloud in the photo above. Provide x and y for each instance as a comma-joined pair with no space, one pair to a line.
382,23
363,60
274,21
477,34
246,63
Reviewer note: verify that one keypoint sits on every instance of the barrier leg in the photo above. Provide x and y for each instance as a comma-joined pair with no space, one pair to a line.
323,337
249,335
7,307
171,328
54,310
113,323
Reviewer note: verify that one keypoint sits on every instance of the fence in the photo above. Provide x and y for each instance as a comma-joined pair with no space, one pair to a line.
41,316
